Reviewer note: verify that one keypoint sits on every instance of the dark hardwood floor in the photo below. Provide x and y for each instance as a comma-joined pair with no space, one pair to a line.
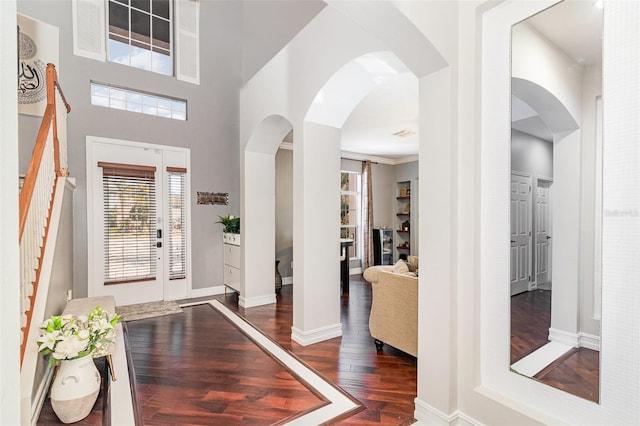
576,372
385,382
183,377
530,322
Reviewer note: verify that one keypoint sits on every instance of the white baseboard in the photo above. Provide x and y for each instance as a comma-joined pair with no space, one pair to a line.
355,271
250,302
287,280
563,337
589,341
207,291
306,338
426,414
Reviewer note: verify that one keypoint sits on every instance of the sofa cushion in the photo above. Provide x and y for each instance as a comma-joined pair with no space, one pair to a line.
400,267
371,273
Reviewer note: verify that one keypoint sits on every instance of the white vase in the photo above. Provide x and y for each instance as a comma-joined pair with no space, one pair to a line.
75,389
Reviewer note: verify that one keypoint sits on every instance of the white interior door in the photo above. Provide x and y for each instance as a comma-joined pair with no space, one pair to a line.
138,221
521,224
543,233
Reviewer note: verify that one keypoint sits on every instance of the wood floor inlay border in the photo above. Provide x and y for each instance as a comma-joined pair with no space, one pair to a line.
336,404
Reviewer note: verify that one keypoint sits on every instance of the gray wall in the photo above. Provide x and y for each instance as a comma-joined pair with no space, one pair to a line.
531,155
281,20
211,131
284,211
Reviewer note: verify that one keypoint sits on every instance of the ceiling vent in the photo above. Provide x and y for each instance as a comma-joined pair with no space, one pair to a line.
404,133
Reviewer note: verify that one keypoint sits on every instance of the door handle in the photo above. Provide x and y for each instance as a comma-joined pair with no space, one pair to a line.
548,237
512,241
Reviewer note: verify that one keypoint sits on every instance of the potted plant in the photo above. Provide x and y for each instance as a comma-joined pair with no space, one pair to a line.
230,228
72,343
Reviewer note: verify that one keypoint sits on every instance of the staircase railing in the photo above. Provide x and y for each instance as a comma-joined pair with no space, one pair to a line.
48,162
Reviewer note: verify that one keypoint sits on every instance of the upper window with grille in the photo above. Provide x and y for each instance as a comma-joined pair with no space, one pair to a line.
161,36
140,34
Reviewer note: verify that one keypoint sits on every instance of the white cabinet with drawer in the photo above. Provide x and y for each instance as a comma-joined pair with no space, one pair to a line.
231,249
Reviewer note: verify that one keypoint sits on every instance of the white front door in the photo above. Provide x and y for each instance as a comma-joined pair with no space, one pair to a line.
543,232
136,226
520,233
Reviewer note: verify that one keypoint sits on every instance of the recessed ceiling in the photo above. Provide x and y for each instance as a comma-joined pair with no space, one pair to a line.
389,108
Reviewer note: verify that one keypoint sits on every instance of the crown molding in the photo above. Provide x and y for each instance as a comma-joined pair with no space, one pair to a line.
364,157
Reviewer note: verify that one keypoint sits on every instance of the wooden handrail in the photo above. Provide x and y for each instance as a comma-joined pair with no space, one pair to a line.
36,157
51,72
32,172
31,180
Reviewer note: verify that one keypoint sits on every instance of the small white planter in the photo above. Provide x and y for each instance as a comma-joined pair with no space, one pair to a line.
231,238
75,389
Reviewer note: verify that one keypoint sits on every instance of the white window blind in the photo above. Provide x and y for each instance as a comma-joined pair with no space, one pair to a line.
129,223
177,231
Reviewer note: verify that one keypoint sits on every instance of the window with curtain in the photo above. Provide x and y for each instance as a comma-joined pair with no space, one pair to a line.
177,232
129,193
350,208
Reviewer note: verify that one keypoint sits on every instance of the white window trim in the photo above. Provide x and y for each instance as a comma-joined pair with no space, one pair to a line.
168,153
358,225
90,35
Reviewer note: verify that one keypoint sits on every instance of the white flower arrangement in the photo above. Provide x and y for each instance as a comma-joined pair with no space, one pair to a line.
69,337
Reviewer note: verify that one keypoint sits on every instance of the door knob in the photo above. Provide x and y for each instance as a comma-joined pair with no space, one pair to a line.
548,237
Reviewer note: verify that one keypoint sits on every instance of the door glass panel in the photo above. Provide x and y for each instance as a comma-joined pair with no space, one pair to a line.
129,223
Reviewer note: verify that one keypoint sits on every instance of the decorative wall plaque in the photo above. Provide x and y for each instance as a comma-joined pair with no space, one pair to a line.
37,46
213,198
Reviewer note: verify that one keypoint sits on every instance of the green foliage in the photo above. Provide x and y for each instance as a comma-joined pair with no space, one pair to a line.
230,224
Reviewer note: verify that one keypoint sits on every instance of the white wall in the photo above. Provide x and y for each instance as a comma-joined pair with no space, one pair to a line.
619,373
284,211
531,155
9,260
589,314
281,20
537,60
286,87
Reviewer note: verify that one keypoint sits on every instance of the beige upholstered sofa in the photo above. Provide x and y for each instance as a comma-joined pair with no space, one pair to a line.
394,309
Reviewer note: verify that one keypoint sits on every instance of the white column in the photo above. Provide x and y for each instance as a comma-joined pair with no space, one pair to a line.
257,229
316,235
565,231
437,233
10,402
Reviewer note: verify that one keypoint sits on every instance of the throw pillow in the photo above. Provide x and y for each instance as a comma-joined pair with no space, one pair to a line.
400,267
411,266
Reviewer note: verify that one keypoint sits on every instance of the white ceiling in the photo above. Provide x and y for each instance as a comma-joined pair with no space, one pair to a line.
390,107
574,26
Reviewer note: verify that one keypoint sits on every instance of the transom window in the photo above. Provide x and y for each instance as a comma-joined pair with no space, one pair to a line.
140,34
131,100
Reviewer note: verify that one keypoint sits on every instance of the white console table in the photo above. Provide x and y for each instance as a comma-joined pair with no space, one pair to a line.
231,275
